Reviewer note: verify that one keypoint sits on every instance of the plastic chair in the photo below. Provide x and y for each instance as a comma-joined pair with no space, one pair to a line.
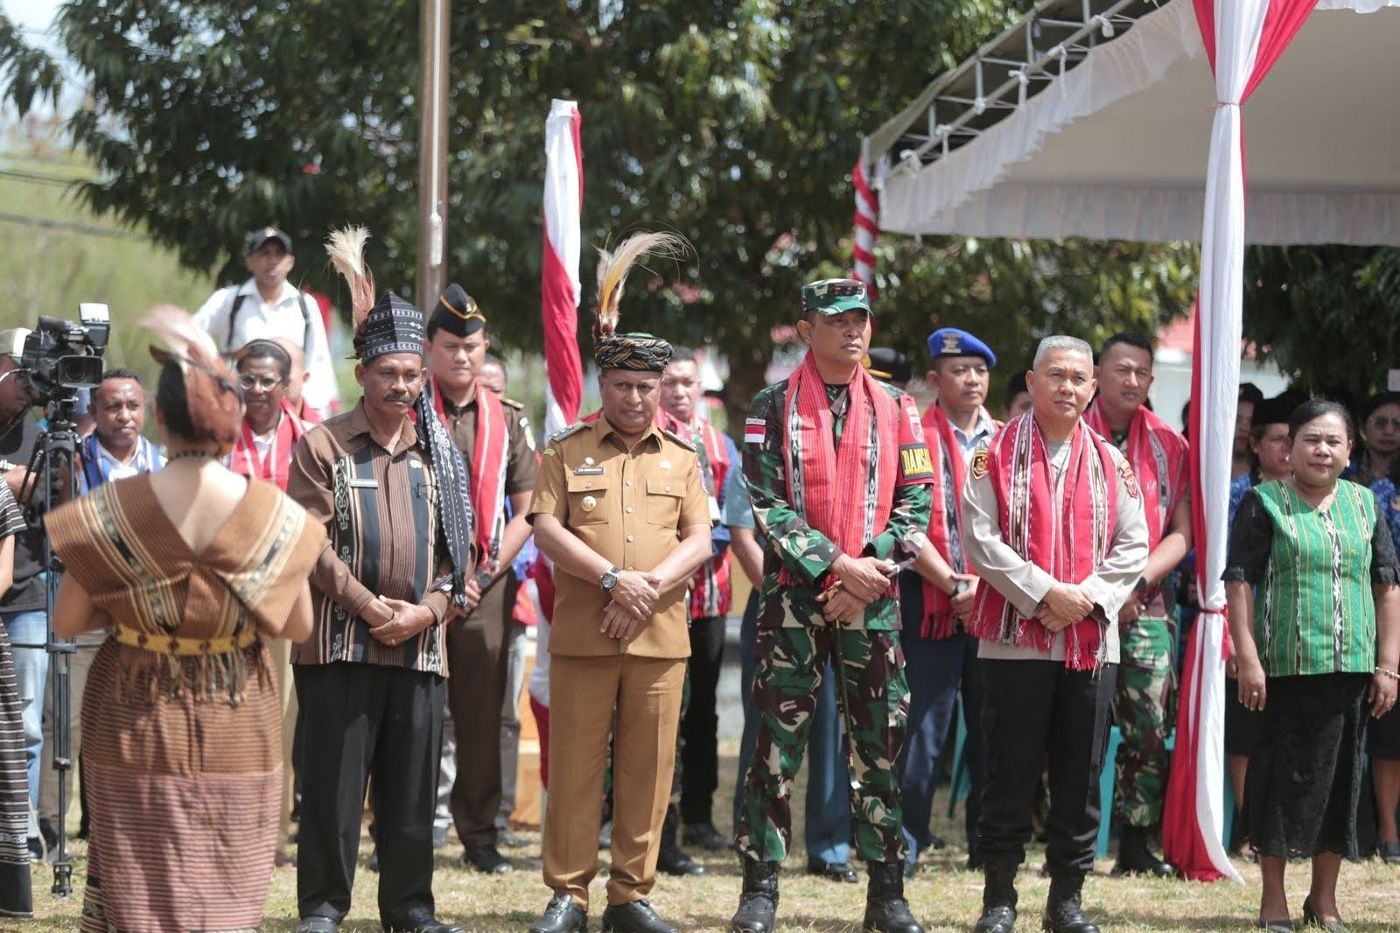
961,782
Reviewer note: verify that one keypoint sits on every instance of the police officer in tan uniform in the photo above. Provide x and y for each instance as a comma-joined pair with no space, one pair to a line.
620,509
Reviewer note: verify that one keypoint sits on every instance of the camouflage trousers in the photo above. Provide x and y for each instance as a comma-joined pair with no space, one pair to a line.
1144,706
788,675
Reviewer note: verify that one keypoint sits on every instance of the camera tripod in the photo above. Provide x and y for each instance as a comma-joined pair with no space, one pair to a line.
52,467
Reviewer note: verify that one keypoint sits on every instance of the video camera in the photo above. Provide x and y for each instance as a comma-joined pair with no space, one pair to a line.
61,357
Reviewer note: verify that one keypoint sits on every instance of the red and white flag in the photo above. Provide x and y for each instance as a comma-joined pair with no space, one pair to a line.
867,229
559,295
1243,40
559,281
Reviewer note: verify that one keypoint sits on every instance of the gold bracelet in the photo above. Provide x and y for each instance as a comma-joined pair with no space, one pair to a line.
1387,672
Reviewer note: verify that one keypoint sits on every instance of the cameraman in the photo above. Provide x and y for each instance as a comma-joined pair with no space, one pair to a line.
22,608
116,449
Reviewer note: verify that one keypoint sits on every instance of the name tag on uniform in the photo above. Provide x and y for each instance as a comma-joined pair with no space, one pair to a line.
356,482
588,471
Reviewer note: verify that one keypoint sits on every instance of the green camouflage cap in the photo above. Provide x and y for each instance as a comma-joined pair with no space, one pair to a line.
834,296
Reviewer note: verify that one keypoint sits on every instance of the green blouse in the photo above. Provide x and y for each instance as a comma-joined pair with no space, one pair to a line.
1312,570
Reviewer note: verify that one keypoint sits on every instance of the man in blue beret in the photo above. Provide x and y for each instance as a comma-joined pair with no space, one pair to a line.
936,595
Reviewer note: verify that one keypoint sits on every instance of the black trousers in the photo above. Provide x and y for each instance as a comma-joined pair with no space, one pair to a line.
1036,713
366,721
699,728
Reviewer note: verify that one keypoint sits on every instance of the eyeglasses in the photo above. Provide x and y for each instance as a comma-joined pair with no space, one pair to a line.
266,383
1380,421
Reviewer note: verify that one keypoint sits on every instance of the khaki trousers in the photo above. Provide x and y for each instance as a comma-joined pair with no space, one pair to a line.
583,695
477,659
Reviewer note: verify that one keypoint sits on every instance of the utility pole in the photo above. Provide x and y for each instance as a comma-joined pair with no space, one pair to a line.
432,152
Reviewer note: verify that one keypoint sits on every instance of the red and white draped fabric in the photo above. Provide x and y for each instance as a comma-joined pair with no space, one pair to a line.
1243,39
559,282
559,292
867,229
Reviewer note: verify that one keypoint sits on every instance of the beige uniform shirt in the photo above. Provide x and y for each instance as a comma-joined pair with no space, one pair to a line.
1024,584
629,506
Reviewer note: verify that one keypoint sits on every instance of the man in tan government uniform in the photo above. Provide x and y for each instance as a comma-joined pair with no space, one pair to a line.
620,509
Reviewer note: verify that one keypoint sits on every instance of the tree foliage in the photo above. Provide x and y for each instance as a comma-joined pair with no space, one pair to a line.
733,123
1329,316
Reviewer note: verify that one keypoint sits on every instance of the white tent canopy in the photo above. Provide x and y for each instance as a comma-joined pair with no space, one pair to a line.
1115,147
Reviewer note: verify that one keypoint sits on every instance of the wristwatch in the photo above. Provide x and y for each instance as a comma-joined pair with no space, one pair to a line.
609,579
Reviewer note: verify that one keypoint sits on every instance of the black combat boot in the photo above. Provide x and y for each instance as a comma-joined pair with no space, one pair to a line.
886,910
672,859
758,901
1062,910
998,898
1135,855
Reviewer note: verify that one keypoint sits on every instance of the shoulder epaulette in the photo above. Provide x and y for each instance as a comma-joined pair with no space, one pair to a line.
512,403
570,431
678,439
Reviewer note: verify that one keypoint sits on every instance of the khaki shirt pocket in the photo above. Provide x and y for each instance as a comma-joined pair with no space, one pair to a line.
664,501
588,499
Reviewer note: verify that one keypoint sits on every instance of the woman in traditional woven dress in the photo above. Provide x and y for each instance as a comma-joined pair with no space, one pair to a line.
1317,645
193,568
1379,467
15,897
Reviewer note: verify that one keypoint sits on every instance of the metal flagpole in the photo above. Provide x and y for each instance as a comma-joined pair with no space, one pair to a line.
432,151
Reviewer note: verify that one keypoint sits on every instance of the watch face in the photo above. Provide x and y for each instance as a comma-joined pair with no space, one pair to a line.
609,580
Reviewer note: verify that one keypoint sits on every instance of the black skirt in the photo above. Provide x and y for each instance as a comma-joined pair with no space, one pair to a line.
1306,769
1240,723
1385,736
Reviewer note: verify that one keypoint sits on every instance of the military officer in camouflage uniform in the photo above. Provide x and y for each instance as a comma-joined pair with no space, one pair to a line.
838,471
1144,705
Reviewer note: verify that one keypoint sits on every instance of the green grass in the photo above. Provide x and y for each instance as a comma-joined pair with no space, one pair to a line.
942,896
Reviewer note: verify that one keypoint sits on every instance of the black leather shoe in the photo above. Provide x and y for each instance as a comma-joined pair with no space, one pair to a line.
1135,856
758,901
426,923
487,860
1275,926
318,925
886,910
561,916
676,862
706,836
1062,910
832,871
1389,852
636,917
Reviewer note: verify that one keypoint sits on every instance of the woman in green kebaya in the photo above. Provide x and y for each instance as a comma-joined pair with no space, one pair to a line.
1317,646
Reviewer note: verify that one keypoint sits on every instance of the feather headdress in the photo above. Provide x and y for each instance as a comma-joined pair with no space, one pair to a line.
212,397
613,267
346,248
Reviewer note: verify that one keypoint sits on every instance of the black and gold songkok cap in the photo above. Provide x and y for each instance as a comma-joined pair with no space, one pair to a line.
456,312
